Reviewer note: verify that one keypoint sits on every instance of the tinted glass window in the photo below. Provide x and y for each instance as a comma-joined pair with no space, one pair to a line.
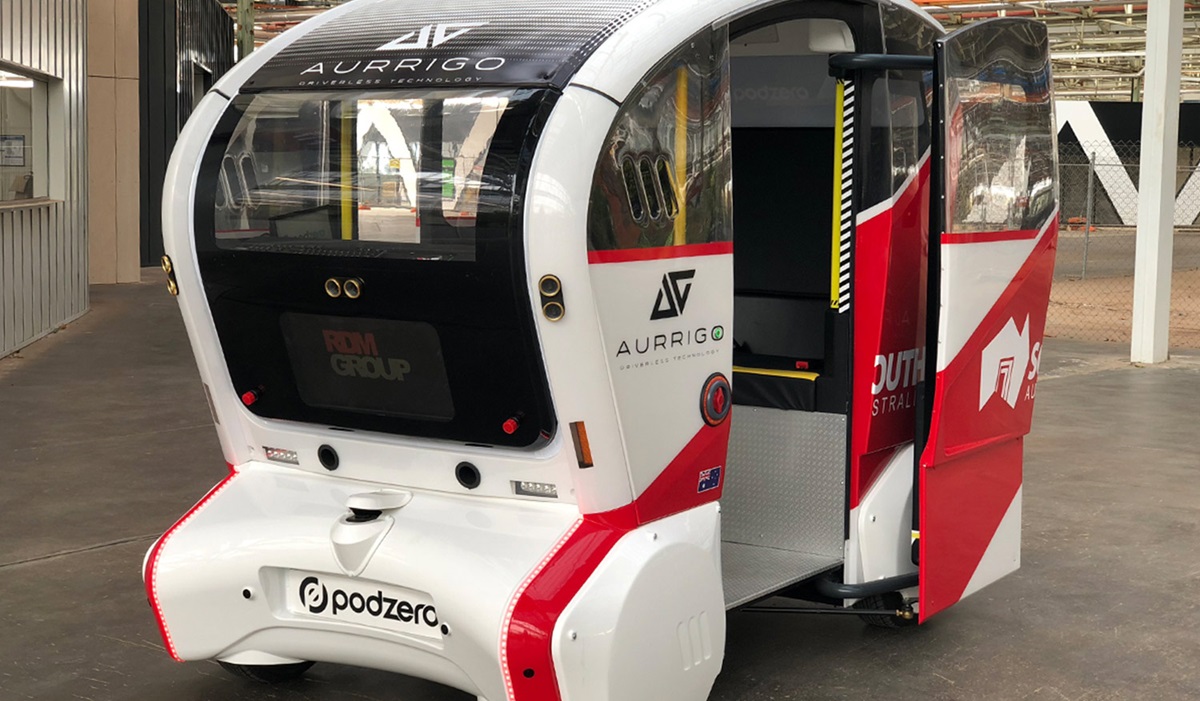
361,174
24,145
1001,150
678,117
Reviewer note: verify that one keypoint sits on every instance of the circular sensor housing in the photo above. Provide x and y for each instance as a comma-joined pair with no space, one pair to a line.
468,475
333,287
554,311
328,457
550,286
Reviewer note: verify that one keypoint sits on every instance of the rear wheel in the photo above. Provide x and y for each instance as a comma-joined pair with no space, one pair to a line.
891,601
267,673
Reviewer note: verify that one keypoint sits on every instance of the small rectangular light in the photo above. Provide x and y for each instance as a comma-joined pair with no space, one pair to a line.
583,449
535,489
280,455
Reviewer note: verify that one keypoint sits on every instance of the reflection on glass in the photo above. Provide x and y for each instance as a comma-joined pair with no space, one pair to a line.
1001,150
365,174
24,137
650,185
633,189
666,183
665,174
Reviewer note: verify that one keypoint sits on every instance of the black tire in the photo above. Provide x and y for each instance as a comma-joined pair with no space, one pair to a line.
892,601
267,673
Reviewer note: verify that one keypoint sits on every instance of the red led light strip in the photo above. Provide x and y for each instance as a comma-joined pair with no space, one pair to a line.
512,605
151,574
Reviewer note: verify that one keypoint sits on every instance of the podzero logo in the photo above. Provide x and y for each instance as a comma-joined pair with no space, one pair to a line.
315,597
673,296
1008,361
430,36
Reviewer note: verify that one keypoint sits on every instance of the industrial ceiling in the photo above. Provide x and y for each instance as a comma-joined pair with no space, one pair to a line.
1099,46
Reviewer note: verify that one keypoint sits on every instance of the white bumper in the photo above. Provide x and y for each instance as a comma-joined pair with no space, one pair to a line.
649,617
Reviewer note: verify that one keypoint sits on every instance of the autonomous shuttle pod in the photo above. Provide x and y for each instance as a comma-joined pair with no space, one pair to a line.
539,334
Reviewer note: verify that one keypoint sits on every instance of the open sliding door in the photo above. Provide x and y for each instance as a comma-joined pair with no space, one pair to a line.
997,221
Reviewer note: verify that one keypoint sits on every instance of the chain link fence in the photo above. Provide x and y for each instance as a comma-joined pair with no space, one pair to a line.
1092,297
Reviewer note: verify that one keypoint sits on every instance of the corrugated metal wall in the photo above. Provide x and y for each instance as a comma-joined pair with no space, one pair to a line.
43,246
187,45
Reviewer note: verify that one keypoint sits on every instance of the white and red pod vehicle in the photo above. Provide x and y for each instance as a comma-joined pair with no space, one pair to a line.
506,408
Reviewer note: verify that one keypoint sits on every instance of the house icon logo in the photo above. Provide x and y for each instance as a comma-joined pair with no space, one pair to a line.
1004,362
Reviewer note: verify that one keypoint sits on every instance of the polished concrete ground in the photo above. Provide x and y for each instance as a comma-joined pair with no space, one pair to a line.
105,440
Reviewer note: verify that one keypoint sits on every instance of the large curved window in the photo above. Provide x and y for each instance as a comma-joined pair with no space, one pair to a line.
362,174
664,176
1001,150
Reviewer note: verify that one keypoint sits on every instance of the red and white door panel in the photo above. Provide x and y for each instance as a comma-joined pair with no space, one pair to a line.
999,230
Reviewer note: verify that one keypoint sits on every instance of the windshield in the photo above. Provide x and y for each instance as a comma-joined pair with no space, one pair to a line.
361,174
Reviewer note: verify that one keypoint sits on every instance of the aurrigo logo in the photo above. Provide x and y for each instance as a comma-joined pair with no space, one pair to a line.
673,296
1008,361
430,36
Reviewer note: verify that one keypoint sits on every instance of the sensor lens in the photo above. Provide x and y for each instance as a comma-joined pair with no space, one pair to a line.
550,286
328,457
468,475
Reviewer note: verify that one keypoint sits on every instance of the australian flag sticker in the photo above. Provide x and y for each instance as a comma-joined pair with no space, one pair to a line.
709,479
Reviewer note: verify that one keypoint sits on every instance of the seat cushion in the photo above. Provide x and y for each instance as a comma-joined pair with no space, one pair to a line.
795,390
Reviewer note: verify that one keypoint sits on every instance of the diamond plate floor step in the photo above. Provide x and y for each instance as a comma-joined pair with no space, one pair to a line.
754,571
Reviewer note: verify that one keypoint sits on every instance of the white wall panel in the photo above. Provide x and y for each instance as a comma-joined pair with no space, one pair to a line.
43,244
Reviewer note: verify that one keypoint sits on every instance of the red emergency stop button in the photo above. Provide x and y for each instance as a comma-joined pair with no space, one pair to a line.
510,427
716,399
250,397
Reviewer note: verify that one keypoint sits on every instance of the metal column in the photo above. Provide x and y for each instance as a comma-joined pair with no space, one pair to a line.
1090,213
1156,189
245,28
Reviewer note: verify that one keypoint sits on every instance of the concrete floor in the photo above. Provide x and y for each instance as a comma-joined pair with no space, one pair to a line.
105,439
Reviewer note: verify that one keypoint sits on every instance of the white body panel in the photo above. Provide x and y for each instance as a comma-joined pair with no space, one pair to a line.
617,66
1003,554
645,376
880,544
467,554
633,633
556,221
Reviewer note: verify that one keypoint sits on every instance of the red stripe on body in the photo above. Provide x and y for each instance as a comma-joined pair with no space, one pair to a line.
991,236
151,573
526,657
690,250
889,322
969,497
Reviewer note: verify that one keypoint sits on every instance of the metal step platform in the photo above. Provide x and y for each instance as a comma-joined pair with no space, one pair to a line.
782,511
754,571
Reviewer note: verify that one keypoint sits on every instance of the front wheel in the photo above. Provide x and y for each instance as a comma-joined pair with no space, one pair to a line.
891,601
267,673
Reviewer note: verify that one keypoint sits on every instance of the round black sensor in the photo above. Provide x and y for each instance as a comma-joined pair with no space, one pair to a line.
328,457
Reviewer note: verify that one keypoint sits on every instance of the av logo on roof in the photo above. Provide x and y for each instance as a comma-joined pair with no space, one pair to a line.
673,296
1004,363
430,36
